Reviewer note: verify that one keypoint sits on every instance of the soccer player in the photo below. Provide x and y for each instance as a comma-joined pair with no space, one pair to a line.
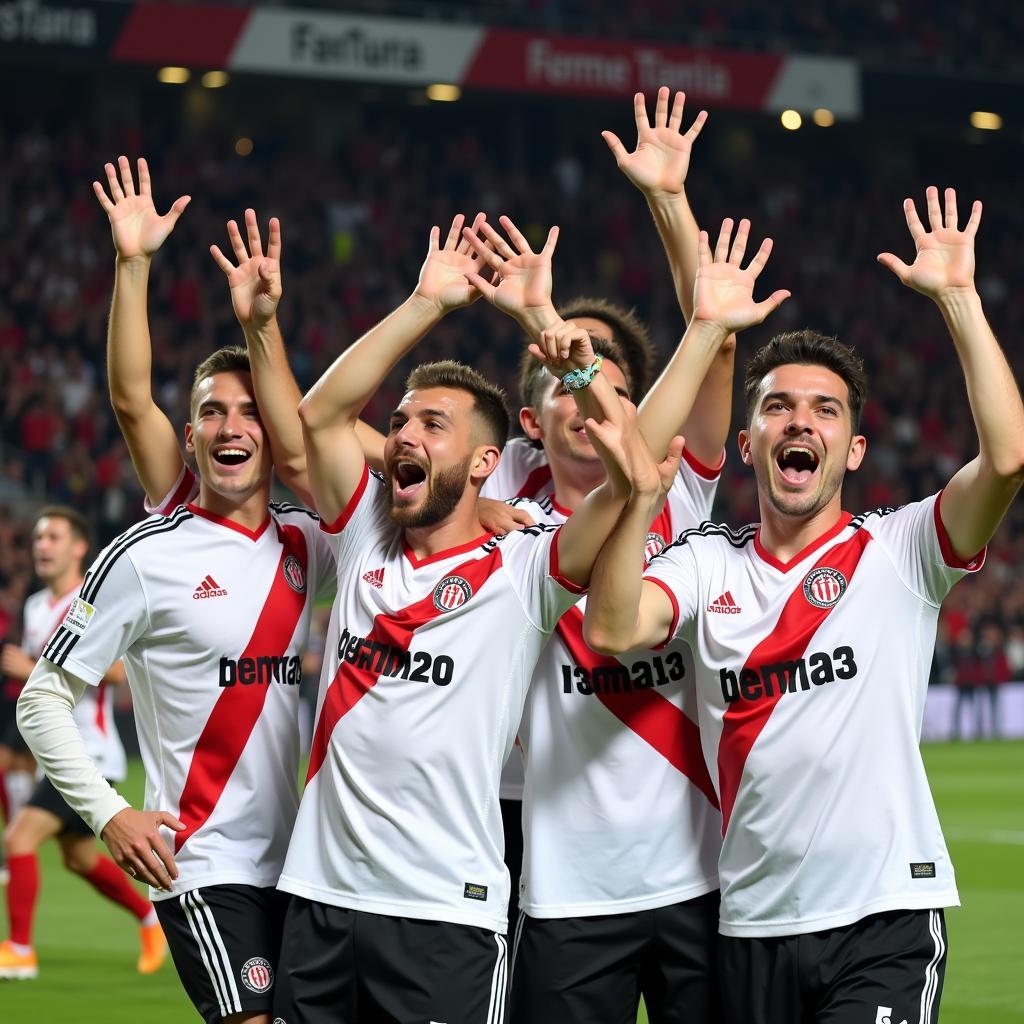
813,634
60,541
589,943
396,861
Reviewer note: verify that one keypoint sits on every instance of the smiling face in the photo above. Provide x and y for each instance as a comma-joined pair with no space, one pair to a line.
432,452
800,441
226,435
56,550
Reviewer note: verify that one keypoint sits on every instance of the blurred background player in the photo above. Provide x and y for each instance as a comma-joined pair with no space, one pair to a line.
60,542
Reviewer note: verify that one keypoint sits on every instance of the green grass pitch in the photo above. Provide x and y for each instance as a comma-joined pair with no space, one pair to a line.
87,947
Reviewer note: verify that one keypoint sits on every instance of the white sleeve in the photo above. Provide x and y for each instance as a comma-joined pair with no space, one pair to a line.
915,539
46,720
185,489
692,493
362,520
531,556
675,571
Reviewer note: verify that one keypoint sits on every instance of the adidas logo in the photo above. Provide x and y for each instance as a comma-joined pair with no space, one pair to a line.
725,605
375,577
208,588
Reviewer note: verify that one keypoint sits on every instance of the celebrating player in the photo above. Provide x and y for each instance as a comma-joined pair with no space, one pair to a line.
813,634
400,890
60,541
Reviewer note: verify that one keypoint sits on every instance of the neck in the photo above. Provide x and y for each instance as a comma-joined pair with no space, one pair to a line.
462,526
65,582
573,482
785,535
249,511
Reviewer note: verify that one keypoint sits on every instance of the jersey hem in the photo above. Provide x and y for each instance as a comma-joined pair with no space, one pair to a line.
628,906
841,918
182,884
415,911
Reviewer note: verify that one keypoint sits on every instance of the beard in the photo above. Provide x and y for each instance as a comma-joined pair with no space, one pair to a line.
804,505
444,492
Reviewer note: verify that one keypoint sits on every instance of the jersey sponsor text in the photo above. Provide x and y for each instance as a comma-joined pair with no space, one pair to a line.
764,682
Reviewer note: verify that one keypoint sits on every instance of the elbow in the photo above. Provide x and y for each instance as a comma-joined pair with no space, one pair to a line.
311,414
602,641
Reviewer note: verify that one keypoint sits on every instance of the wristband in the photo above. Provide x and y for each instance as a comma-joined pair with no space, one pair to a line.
577,380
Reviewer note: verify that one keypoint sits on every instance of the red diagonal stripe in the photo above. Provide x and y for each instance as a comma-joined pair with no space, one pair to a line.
799,621
534,482
238,708
351,683
654,719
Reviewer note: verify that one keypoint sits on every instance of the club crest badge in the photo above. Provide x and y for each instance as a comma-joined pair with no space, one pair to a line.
294,574
257,974
452,592
824,586
654,544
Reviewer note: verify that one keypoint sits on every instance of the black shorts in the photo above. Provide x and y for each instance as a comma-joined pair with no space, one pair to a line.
593,970
46,798
512,822
10,736
883,969
225,941
343,966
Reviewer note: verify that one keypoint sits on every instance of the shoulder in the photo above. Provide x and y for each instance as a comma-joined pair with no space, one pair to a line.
526,536
875,515
289,512
710,535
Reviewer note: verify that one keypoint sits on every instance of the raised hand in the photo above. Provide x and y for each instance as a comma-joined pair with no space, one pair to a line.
945,255
445,277
662,155
564,348
723,292
255,282
137,228
521,285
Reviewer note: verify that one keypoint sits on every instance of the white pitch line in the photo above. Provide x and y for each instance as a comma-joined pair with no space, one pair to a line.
987,835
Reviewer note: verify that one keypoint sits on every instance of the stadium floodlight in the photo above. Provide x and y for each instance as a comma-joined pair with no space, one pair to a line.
443,93
243,147
215,79
791,120
986,120
824,118
174,76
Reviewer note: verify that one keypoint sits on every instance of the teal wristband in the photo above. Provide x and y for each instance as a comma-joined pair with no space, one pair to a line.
577,380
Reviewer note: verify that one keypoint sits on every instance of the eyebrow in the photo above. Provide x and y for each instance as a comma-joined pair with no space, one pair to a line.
422,414
788,396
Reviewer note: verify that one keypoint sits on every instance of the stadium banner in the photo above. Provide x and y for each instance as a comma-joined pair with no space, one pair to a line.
397,51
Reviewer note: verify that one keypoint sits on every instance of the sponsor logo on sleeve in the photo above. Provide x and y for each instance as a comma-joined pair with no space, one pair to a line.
257,974
79,616
824,586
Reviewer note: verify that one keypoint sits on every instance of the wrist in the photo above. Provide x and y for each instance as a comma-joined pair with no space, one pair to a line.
953,301
534,320
425,307
664,201
133,264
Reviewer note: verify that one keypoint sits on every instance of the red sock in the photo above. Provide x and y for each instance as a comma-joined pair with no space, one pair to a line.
110,880
22,891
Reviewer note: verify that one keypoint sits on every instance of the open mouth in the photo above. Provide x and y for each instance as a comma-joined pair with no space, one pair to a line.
797,464
408,477
231,456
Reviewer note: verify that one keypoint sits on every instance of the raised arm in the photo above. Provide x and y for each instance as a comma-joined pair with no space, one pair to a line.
330,411
976,499
138,232
658,166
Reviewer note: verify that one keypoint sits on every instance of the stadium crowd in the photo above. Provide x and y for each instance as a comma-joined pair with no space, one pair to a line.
353,223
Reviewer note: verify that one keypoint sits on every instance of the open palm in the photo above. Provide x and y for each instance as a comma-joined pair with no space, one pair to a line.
445,272
255,282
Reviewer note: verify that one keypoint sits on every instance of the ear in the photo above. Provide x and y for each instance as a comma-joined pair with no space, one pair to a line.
858,449
530,423
189,443
743,440
485,462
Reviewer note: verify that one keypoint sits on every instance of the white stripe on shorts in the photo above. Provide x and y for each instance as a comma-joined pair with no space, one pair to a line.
931,974
499,978
211,949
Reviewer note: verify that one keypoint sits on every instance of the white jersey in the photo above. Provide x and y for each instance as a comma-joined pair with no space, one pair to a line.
94,714
615,776
210,619
427,667
812,678
185,490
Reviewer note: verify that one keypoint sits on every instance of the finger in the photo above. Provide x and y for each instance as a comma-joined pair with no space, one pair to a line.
115,186
951,208
464,245
455,231
552,241
134,867
500,245
895,264
145,186
435,239
703,249
757,264
483,249
101,195
971,227
616,146
520,517
722,247
640,112
166,858
934,213
237,245
154,869
126,175
274,239
698,123
739,243
538,353
917,231
675,119
252,230
221,260
517,237
766,307
482,285
177,209
661,108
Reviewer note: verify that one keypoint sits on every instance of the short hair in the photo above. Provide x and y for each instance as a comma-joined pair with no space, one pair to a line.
76,520
628,331
808,348
229,359
534,376
489,402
